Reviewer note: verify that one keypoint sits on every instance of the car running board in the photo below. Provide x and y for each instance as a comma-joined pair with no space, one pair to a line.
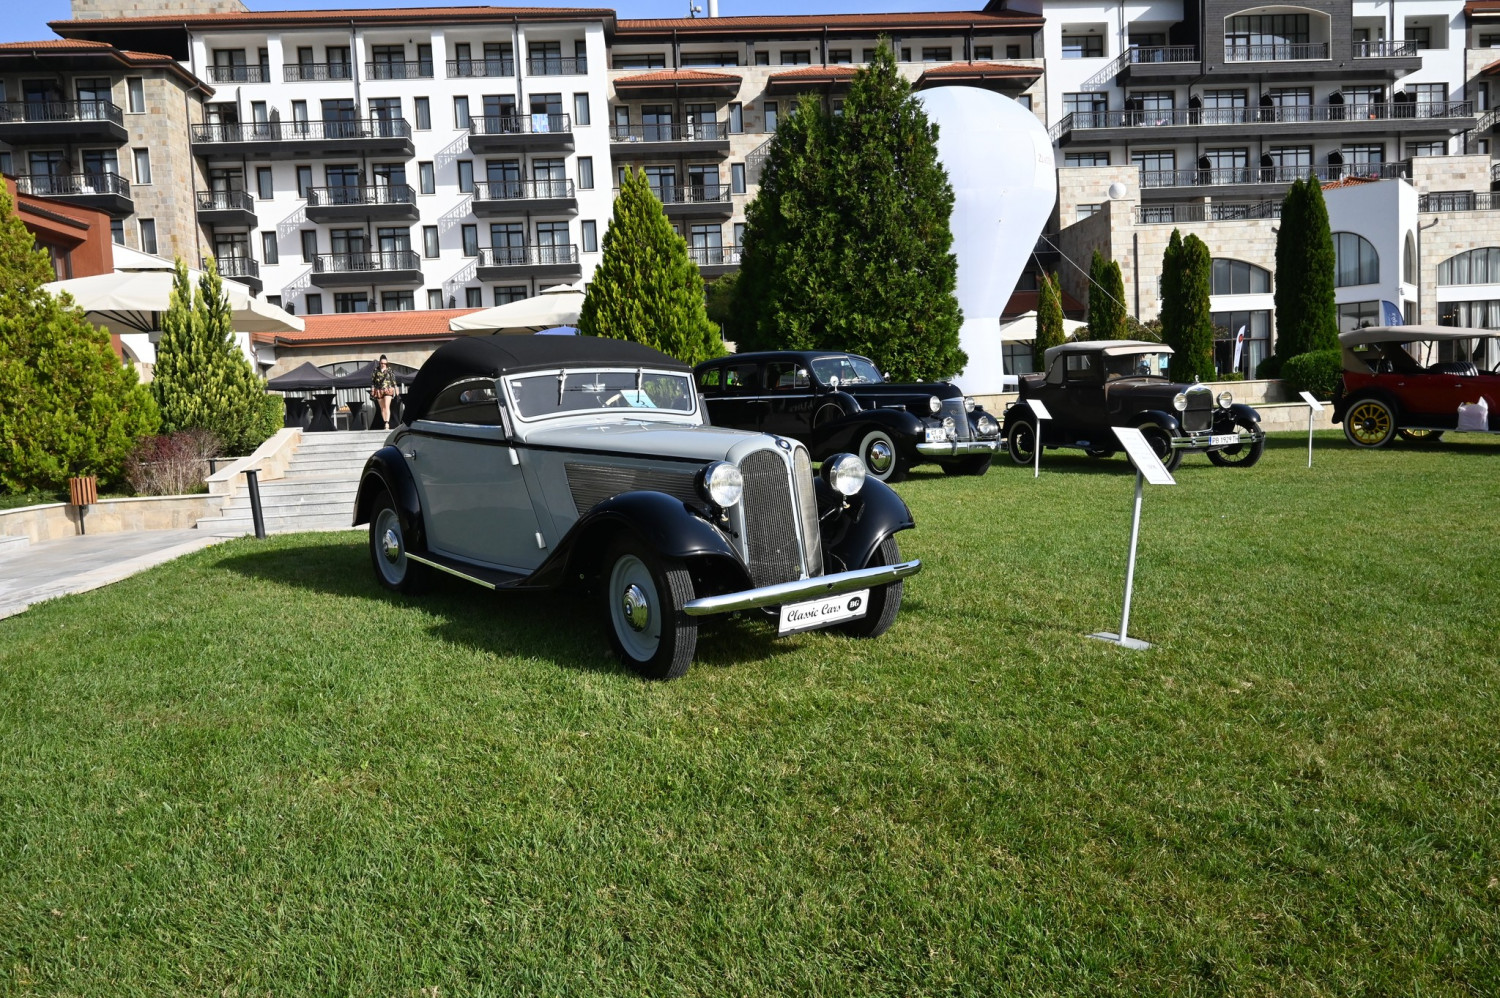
489,578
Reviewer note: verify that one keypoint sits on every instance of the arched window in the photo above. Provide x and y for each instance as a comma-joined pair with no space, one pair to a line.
1355,260
1409,261
1236,277
1477,266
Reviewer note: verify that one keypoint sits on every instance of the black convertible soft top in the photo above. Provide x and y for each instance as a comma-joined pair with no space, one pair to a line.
492,356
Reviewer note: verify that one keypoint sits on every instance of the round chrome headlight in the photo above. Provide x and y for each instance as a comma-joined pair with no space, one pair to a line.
845,473
935,404
1225,399
722,484
1180,402
987,425
969,403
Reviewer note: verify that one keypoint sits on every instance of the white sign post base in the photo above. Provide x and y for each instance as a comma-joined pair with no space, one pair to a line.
1313,408
1040,412
1148,467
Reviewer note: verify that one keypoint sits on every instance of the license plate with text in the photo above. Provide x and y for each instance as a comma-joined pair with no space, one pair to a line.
821,612
1223,439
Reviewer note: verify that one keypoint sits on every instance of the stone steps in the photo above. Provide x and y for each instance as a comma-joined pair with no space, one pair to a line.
316,492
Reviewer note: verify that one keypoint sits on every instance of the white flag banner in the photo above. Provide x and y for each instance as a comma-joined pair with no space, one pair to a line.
1239,345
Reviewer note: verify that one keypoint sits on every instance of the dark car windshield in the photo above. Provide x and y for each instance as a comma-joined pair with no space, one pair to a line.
848,369
1136,365
564,392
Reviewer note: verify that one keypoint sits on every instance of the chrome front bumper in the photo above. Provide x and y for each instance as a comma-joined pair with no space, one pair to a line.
793,592
1202,441
958,448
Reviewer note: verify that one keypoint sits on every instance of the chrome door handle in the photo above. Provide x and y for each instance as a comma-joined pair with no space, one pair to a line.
411,455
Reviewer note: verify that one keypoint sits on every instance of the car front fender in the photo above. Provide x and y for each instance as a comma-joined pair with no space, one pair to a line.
1161,418
852,535
386,470
846,433
1240,410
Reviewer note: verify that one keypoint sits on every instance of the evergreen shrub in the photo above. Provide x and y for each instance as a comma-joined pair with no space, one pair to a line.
1317,371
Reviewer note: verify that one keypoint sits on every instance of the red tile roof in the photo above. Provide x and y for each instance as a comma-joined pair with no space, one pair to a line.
981,69
814,74
677,76
124,57
1484,8
1491,69
1022,302
371,327
842,23
250,19
1349,182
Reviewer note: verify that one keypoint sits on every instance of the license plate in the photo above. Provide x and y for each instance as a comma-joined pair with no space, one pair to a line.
821,612
1223,439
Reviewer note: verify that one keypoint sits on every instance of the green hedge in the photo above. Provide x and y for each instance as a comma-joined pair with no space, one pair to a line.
1317,372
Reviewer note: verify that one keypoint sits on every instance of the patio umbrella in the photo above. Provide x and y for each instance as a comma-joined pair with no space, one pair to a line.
1022,328
303,378
133,302
559,306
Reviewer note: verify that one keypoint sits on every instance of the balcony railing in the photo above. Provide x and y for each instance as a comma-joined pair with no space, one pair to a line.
308,72
66,184
292,131
1295,114
323,197
1384,49
237,266
706,131
1279,52
419,70
523,190
61,110
715,256
225,201
556,66
528,256
239,74
1237,175
692,194
362,263
1495,173
1216,211
1459,201
521,124
1138,55
476,68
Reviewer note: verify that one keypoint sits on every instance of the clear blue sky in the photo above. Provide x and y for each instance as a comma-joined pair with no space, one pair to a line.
26,20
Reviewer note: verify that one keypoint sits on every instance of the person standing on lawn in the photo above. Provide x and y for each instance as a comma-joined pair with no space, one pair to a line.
382,390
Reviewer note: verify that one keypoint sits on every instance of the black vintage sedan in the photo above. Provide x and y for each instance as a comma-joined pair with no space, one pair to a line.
836,402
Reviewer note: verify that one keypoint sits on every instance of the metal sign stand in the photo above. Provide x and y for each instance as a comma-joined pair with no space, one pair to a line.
1313,408
1040,412
1148,468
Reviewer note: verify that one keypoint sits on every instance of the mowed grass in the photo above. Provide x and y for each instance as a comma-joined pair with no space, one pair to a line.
254,772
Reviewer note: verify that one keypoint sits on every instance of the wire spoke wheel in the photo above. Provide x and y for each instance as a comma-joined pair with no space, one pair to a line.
1370,423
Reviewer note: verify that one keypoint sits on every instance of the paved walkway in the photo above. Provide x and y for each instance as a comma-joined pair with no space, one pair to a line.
37,572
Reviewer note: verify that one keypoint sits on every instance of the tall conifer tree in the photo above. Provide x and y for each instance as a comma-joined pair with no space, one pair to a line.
1106,314
1193,359
1171,291
1306,313
645,288
1049,322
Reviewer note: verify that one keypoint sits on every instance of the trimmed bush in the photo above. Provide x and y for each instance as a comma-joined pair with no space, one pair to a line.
1270,368
1318,372
272,416
172,465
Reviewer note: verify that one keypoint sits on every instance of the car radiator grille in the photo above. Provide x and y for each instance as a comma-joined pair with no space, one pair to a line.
770,520
807,505
591,484
1199,413
955,408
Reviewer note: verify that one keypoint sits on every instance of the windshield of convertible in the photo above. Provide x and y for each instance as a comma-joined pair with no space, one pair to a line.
560,393
849,370
1136,365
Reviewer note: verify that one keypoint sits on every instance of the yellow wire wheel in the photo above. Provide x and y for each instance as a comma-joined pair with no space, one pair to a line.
1370,423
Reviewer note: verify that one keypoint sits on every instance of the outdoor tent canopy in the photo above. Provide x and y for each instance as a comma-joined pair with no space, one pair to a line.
304,378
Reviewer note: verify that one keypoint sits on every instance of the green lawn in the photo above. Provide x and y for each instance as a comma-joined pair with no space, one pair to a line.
253,772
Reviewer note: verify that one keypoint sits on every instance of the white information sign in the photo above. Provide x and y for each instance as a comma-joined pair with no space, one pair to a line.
823,611
1040,412
1313,408
1148,468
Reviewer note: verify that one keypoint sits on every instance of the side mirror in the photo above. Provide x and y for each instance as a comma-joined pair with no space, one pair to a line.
834,382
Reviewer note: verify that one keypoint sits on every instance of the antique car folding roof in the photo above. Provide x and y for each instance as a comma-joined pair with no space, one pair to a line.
1410,334
1110,348
492,356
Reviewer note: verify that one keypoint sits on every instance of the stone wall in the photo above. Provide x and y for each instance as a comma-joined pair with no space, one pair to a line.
55,521
92,9
175,173
1444,234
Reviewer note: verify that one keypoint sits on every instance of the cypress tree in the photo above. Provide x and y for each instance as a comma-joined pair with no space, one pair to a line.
1193,359
67,405
202,379
1306,313
848,245
1049,322
645,288
1171,291
1113,304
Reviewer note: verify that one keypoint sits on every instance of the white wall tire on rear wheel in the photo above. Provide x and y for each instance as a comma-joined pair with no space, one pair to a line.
882,458
388,550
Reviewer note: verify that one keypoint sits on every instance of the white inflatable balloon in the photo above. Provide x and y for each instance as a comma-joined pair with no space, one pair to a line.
999,160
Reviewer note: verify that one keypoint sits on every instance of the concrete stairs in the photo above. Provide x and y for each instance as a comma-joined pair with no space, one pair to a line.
316,493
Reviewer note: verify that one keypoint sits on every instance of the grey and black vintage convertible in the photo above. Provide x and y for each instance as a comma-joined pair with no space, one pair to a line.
584,463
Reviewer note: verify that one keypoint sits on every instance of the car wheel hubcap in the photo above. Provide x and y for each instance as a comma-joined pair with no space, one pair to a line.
636,608
392,560
391,545
879,457
633,593
1370,423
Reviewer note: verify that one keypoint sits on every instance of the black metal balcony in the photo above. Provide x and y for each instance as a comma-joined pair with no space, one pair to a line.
356,203
241,270
1107,127
384,136
419,70
1197,211
538,262
49,121
1276,52
107,192
519,197
239,74
695,201
714,261
1384,49
1252,181
343,270
314,72
1155,63
556,66
1459,201
497,133
685,138
226,208
462,69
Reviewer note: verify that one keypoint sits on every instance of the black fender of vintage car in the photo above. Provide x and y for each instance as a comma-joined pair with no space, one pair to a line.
386,470
846,433
1238,410
851,536
1161,418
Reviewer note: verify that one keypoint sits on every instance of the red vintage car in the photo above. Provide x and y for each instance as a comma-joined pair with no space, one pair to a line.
1417,381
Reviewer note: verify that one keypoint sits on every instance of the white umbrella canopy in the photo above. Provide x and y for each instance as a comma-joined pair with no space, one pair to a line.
133,302
558,306
1022,329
